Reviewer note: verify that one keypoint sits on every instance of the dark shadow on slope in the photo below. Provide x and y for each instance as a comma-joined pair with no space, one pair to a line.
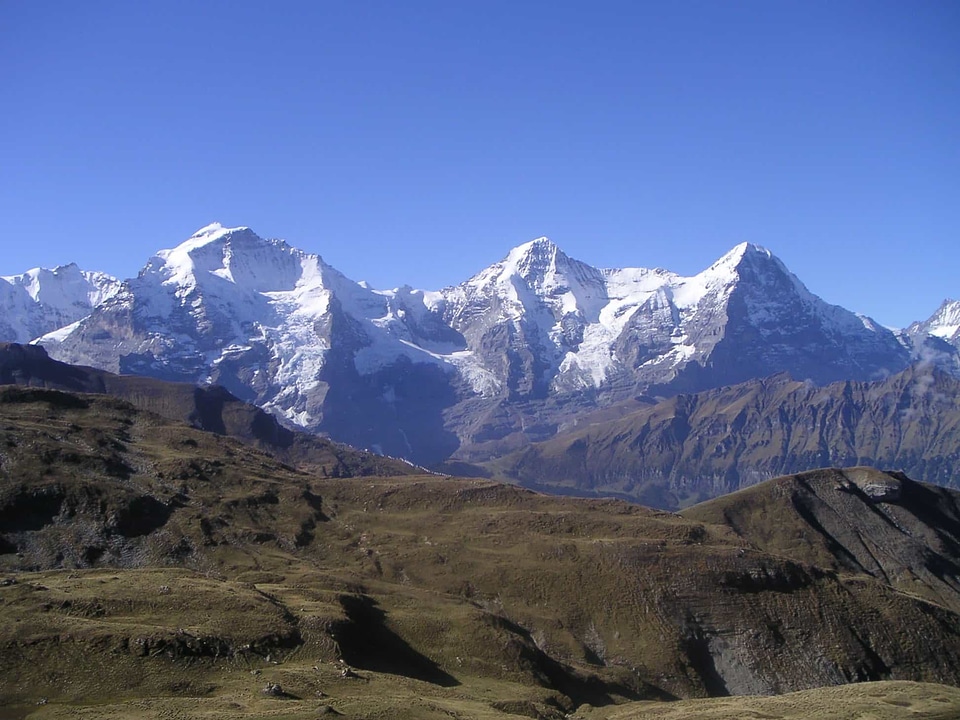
31,510
367,643
696,645
141,516
29,365
934,507
525,655
845,558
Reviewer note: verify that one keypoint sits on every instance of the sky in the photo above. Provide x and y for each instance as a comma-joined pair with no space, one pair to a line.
417,142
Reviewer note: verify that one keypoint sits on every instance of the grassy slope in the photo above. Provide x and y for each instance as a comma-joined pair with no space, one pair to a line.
210,408
867,701
175,573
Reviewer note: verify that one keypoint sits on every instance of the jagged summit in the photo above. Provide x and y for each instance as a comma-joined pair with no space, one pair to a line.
530,261
237,255
535,256
751,250
65,283
537,245
764,282
744,257
944,323
539,263
32,279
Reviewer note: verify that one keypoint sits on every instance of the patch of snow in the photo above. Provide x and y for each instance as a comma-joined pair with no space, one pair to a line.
57,335
945,331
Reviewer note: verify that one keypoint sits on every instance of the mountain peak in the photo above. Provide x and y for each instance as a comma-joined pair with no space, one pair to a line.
949,306
237,255
206,235
540,244
41,300
746,251
534,258
747,260
944,323
541,247
216,228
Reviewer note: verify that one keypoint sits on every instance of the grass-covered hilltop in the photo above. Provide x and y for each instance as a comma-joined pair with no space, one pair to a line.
150,568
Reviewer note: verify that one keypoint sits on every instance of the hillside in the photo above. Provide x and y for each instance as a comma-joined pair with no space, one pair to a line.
693,447
209,408
416,596
856,521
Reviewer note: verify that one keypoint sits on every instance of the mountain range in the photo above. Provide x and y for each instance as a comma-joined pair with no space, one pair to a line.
519,352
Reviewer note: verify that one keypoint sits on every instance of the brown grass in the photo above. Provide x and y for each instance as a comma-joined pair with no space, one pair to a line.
165,572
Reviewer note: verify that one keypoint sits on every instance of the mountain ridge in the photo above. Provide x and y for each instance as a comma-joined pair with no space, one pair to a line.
485,366
692,447
210,408
39,300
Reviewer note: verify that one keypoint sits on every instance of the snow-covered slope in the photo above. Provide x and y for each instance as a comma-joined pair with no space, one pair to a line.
936,340
943,324
540,322
40,301
255,315
513,352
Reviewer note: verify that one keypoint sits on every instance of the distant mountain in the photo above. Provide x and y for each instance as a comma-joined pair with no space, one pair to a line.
696,446
943,324
937,339
563,326
472,371
282,329
40,301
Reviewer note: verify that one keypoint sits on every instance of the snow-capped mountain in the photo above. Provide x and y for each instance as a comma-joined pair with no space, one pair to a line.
275,326
39,301
943,324
508,355
554,325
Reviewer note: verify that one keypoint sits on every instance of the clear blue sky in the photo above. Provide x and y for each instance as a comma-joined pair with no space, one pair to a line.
416,142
